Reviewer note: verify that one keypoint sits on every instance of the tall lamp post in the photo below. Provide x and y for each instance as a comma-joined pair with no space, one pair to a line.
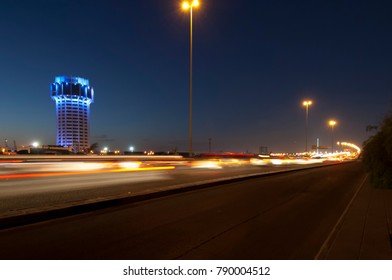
332,123
306,103
188,6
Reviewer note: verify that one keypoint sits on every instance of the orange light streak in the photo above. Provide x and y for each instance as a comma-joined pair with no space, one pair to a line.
54,174
143,169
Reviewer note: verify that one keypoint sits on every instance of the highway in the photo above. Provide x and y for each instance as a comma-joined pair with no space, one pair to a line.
42,183
283,216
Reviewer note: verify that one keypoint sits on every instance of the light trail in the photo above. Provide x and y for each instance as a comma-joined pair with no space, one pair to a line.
54,174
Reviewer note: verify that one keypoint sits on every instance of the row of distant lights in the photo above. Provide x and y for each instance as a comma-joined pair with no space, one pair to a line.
350,145
131,149
105,150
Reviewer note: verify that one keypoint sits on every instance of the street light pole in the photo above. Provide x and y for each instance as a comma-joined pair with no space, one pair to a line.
189,6
307,103
332,123
190,80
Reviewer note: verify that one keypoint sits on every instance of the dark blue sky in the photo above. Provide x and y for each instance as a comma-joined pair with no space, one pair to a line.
254,63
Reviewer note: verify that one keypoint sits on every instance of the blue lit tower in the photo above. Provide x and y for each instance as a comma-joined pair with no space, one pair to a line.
73,97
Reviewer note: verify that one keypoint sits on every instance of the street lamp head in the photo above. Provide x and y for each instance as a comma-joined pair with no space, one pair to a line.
186,5
307,103
332,122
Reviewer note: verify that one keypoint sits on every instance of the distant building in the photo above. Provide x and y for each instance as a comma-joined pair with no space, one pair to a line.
263,150
50,150
73,96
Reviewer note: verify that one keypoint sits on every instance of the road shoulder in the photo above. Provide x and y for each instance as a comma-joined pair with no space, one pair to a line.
365,231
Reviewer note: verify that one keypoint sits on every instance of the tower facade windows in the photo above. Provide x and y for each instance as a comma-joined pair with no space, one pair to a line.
73,97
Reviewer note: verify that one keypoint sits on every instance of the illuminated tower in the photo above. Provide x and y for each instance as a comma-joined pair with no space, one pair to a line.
73,97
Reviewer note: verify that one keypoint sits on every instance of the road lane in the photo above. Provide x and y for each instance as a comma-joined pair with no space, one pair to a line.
286,216
31,194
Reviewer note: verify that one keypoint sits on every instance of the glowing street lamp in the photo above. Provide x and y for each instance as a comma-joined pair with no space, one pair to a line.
306,103
188,6
332,123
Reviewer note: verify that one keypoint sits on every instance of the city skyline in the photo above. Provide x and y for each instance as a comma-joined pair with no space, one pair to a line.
254,65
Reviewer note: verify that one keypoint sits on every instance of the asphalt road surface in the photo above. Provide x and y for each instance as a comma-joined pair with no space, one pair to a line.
283,216
46,186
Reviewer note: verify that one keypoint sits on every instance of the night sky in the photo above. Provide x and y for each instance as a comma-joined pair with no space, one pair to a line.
254,63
